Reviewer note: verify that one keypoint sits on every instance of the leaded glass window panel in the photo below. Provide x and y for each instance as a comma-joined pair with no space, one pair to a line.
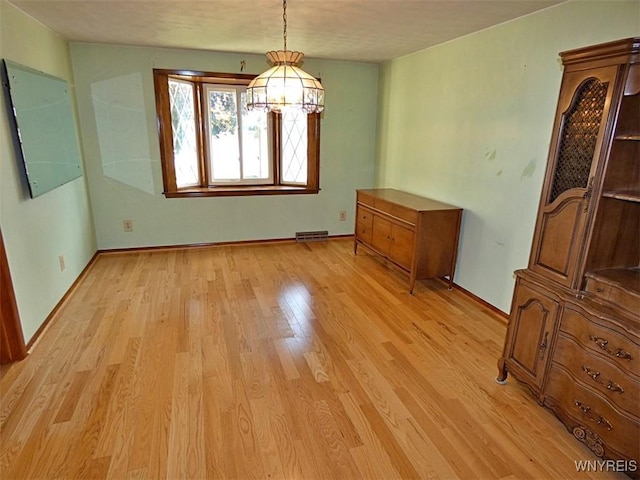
183,123
294,150
578,138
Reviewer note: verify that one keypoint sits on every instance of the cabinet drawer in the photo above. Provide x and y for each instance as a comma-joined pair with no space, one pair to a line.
598,288
626,299
397,211
619,347
364,224
365,199
593,412
364,217
615,292
599,374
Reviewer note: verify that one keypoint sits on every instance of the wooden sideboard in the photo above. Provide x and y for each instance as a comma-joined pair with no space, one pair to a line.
417,234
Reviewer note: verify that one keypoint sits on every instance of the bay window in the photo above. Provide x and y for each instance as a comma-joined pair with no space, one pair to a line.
211,144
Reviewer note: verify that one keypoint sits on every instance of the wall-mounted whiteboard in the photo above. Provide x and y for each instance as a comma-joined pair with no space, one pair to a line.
45,131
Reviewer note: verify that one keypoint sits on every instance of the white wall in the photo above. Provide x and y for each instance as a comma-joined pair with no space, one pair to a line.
116,101
36,231
469,123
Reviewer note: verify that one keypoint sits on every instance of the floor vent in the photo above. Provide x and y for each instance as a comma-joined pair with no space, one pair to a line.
312,236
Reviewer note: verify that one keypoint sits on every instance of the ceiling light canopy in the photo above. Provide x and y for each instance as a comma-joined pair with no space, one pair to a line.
285,85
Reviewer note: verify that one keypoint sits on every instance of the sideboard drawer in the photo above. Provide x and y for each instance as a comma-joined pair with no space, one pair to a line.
365,198
626,299
598,288
397,211
617,346
600,374
613,286
364,224
618,431
365,217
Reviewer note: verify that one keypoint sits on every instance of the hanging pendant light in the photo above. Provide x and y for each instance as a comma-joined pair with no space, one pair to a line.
285,85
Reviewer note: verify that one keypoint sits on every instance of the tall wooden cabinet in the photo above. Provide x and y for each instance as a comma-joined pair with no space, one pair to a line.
574,330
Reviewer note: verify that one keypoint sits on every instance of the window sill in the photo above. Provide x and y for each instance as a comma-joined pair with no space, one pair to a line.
237,191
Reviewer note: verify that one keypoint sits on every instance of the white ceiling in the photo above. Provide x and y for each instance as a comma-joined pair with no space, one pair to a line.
354,30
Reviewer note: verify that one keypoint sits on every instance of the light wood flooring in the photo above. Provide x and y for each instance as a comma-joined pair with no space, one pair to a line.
277,361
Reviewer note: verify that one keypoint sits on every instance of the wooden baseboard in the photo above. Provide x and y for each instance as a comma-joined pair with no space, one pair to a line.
185,246
59,305
502,316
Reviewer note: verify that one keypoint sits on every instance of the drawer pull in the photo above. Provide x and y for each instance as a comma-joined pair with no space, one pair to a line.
599,289
618,352
543,345
586,411
595,376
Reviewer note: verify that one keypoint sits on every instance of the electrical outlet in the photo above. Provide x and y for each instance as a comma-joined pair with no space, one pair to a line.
61,261
343,215
127,225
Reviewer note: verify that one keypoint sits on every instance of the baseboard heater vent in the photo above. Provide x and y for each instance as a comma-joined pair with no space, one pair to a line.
312,236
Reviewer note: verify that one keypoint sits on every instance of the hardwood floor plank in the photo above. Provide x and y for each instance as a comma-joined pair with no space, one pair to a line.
73,396
286,362
287,451
461,461
266,441
212,431
179,421
79,465
397,455
280,361
17,457
338,455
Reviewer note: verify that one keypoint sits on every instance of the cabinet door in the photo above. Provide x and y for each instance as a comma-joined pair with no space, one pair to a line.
530,334
401,246
381,235
577,146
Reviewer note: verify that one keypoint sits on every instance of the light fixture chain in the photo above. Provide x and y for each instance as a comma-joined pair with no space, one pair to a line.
284,18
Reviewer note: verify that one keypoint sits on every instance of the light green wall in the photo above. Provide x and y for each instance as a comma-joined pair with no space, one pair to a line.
469,122
36,231
125,178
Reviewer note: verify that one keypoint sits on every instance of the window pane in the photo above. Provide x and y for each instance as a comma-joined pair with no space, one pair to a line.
255,143
294,146
238,144
183,124
224,148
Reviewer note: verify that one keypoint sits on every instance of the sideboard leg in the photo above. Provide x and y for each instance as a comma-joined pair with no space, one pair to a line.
412,282
502,372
